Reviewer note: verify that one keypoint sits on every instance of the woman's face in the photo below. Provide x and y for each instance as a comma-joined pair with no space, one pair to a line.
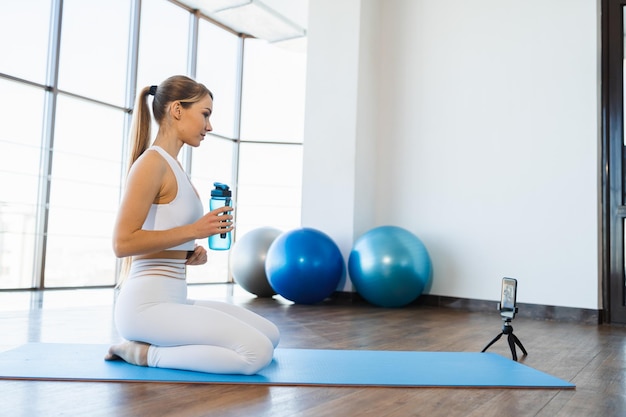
194,121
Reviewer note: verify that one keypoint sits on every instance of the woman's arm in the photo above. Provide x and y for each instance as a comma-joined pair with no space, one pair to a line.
144,185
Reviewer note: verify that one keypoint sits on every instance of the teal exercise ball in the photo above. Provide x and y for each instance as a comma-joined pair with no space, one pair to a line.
304,266
389,266
247,260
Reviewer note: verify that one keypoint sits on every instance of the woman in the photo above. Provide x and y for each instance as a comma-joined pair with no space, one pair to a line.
159,219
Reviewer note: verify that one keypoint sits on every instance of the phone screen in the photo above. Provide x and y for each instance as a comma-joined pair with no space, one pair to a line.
509,294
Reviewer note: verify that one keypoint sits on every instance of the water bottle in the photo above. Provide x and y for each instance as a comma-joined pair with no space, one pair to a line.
220,196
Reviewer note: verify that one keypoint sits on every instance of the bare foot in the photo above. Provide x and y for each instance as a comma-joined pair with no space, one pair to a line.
135,353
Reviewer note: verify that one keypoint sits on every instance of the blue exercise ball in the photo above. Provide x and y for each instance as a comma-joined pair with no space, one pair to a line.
389,266
304,265
247,260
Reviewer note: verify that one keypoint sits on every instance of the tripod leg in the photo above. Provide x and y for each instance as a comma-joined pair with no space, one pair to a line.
512,346
517,341
495,339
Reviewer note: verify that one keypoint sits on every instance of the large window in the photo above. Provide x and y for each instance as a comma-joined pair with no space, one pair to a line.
218,67
68,76
270,179
273,93
84,191
20,154
24,31
272,128
93,57
163,42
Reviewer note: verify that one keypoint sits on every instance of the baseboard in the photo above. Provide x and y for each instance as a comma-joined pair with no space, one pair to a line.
534,311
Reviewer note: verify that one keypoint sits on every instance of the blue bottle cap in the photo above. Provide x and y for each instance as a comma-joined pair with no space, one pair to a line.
221,190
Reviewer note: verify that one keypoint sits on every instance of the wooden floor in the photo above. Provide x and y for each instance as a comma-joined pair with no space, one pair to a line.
592,357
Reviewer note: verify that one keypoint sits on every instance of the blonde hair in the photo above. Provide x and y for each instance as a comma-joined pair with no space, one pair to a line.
176,88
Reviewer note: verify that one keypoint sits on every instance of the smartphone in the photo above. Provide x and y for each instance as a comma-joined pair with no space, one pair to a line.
508,297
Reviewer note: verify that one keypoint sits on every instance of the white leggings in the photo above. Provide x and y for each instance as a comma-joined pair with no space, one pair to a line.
206,336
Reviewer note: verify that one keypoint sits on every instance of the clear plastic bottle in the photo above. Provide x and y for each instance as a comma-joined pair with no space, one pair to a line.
220,196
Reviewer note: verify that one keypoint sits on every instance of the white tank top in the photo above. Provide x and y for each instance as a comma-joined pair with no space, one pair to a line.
185,208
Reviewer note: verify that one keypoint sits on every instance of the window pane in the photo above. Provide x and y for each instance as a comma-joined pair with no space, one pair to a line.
211,162
24,31
86,172
20,149
218,53
273,93
163,42
270,186
94,49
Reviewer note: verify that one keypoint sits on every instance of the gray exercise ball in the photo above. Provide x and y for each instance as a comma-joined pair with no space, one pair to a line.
247,260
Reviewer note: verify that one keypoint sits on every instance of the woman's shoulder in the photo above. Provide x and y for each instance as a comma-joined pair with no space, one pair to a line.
150,161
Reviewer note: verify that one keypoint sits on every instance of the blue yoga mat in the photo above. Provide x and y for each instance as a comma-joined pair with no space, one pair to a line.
80,362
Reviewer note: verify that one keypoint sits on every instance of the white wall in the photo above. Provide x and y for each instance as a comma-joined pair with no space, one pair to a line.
329,159
485,131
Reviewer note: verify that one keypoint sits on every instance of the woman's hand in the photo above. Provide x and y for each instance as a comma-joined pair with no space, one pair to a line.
197,257
215,222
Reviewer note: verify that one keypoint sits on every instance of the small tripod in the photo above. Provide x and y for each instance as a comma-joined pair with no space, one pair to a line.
507,329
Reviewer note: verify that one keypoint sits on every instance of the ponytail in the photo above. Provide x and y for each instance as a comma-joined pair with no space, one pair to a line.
139,142
140,126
